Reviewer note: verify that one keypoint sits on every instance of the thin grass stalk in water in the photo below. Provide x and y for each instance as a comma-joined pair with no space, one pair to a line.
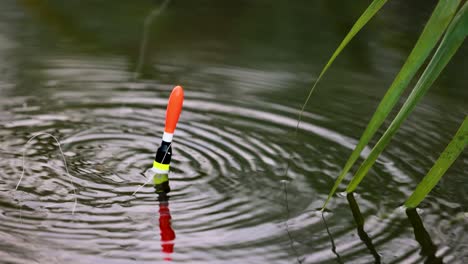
373,8
64,163
144,41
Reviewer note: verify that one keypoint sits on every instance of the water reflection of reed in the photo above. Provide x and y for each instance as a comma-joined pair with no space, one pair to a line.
359,220
428,248
332,241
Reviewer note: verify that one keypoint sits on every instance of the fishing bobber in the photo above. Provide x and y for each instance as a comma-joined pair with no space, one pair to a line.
164,152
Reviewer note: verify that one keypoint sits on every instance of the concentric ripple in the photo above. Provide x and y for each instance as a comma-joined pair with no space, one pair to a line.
232,201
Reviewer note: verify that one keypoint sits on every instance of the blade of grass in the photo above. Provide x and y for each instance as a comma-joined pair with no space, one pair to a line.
373,8
435,27
450,154
452,40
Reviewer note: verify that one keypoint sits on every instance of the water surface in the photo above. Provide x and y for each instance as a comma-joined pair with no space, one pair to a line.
74,69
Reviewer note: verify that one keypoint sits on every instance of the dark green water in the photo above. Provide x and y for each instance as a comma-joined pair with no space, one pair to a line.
73,69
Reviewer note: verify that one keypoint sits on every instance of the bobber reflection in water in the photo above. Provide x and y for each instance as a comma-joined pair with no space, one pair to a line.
160,169
165,228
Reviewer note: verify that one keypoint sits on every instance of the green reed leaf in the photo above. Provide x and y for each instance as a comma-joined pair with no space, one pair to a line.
373,8
450,154
435,27
452,40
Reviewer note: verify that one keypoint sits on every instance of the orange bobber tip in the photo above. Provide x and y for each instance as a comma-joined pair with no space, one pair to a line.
174,107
